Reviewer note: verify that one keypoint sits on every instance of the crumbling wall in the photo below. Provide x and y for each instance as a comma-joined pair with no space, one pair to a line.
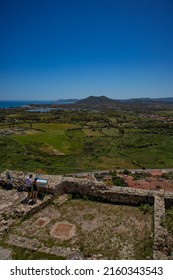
118,195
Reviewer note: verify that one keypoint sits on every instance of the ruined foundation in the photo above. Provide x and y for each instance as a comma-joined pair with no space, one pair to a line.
59,185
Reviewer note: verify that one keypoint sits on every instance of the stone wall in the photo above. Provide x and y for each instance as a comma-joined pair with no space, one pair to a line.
35,245
160,250
118,195
59,185
134,197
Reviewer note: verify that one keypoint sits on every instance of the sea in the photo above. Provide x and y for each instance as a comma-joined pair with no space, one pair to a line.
24,103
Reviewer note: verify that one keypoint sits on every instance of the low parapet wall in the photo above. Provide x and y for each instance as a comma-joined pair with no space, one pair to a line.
118,195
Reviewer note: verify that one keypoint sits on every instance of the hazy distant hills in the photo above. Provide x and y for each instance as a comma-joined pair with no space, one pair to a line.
149,100
101,102
62,101
167,99
97,101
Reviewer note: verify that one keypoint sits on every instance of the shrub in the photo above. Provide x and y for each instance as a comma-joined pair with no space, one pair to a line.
145,208
126,172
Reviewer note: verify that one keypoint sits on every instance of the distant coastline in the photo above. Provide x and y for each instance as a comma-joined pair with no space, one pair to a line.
89,100
23,103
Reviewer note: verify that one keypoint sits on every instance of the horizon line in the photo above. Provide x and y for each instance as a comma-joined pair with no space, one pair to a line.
55,100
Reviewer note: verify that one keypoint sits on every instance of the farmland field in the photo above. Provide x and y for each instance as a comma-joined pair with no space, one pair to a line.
73,141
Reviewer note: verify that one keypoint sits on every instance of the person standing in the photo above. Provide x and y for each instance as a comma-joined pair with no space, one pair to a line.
28,183
8,183
35,190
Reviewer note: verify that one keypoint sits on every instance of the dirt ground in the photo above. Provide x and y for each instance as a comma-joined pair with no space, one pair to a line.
94,228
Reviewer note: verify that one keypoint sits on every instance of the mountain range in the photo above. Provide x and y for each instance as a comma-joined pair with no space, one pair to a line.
100,100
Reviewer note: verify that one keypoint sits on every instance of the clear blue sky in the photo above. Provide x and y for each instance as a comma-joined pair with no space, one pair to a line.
53,49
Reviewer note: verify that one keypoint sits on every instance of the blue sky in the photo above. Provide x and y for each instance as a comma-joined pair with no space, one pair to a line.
54,49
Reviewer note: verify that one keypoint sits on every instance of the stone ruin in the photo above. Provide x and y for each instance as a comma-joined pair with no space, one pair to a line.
60,185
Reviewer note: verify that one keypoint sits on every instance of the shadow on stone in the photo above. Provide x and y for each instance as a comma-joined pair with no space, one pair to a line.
32,202
25,201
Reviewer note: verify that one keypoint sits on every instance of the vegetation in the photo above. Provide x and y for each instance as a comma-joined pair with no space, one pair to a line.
116,180
73,140
169,220
146,208
21,254
115,232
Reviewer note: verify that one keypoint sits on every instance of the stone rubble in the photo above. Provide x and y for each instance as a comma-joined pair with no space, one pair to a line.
35,245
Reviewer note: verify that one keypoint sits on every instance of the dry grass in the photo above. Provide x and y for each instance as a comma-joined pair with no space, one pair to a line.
115,232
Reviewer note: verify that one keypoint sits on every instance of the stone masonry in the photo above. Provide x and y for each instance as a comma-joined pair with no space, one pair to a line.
59,185
160,233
